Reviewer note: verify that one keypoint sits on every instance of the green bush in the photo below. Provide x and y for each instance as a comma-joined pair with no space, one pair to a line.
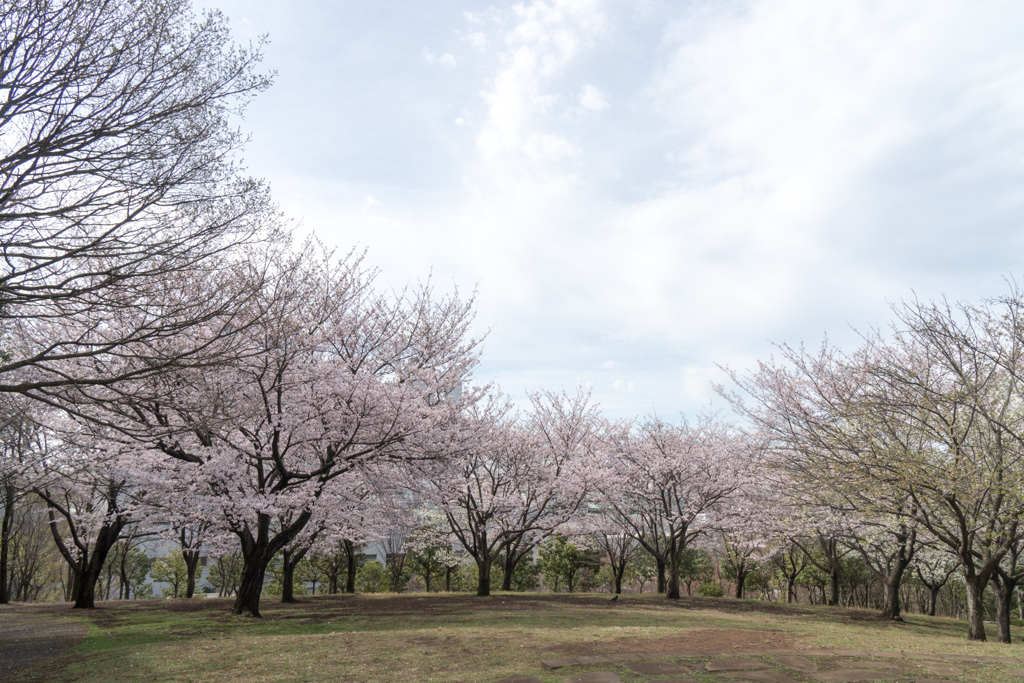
373,577
711,589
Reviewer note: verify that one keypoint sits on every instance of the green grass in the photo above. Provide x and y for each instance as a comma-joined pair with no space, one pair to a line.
418,638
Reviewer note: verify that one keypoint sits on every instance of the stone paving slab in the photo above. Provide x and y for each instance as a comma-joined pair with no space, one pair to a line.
796,662
941,668
657,668
734,664
679,654
594,659
760,676
595,677
854,676
628,656
962,658
869,664
559,663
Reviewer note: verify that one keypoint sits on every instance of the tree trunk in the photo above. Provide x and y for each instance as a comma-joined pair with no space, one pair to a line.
5,542
287,579
508,566
891,586
191,558
1004,596
250,587
85,582
934,599
833,586
332,581
672,587
741,579
257,552
661,576
975,609
483,585
618,572
350,578
448,579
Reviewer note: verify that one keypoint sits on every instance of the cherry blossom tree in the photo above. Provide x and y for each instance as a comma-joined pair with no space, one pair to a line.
923,423
514,482
750,524
335,375
618,546
93,488
666,483
933,567
21,442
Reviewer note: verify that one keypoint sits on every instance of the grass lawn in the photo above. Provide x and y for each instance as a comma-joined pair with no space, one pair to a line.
456,637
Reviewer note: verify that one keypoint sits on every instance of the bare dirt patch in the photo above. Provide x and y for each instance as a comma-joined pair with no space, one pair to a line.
697,640
29,638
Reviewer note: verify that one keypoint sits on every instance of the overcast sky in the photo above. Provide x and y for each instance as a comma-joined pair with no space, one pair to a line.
641,190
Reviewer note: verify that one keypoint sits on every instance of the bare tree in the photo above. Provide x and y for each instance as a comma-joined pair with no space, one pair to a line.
117,168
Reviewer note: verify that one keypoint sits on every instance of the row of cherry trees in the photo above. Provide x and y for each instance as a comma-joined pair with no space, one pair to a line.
171,361
913,440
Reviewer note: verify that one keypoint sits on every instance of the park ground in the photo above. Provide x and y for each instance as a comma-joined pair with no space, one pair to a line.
449,637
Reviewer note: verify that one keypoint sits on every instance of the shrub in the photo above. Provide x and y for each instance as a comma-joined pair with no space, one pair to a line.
711,589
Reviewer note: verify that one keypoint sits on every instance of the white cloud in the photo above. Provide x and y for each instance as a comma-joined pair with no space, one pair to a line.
768,169
592,99
477,39
429,57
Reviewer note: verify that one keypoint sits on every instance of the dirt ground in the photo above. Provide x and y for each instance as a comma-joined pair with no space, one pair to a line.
31,636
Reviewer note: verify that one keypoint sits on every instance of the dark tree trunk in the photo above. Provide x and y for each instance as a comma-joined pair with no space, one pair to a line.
5,542
741,578
672,587
975,609
511,560
790,580
661,575
833,586
332,582
483,585
1003,586
891,588
350,577
191,558
508,565
287,578
250,587
257,552
290,560
93,567
618,572
933,599
448,579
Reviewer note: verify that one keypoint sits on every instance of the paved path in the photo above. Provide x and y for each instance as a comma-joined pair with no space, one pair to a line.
30,639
